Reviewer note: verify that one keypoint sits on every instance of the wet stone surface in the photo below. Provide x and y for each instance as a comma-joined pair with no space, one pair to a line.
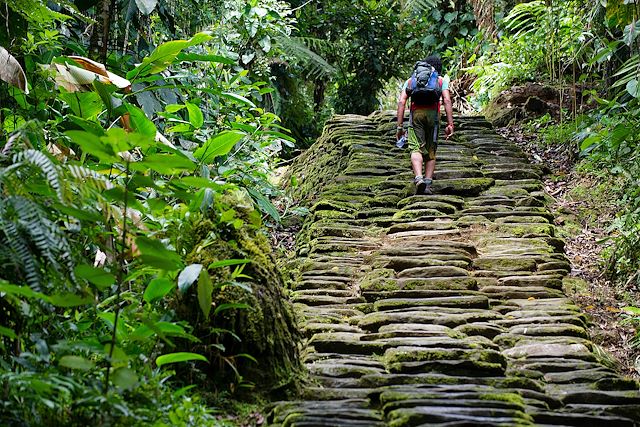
441,310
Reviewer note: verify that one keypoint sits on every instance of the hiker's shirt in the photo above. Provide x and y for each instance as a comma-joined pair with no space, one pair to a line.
444,81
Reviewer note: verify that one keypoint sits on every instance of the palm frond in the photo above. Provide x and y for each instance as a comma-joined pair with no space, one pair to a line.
524,17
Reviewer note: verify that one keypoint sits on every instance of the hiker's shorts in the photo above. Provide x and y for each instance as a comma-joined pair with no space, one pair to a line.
423,132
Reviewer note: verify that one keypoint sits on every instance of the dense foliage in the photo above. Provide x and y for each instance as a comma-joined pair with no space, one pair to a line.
113,180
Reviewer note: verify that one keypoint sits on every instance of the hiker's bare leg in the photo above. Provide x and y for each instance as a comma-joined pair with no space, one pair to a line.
429,167
416,163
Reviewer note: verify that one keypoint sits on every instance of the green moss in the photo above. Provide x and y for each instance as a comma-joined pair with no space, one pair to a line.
267,330
514,398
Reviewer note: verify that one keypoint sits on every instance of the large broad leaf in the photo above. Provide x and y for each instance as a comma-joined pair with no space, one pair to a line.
125,378
205,290
11,71
155,254
140,122
179,357
67,300
76,362
195,115
102,279
157,288
165,55
146,6
86,105
188,276
219,145
166,164
91,144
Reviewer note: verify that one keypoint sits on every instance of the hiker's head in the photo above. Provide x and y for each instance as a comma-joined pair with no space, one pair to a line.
435,62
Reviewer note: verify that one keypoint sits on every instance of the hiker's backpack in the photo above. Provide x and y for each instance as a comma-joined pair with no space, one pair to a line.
425,87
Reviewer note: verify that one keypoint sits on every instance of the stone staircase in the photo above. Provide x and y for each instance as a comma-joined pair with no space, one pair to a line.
443,310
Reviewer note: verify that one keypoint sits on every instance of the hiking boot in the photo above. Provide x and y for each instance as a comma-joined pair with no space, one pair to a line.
420,185
427,189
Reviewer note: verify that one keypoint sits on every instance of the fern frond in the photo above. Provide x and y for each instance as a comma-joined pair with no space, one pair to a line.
418,7
45,164
315,65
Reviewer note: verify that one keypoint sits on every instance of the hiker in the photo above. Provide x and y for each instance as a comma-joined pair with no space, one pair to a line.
425,88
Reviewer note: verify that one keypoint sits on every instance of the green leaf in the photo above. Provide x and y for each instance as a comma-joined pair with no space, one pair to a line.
205,291
199,182
8,332
70,300
23,291
76,362
227,262
179,357
188,276
164,163
231,306
265,204
140,122
125,378
219,145
195,115
157,289
81,214
102,279
91,144
155,254
161,328
165,55
238,98
86,105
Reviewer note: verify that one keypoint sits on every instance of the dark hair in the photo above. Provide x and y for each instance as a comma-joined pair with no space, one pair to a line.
435,62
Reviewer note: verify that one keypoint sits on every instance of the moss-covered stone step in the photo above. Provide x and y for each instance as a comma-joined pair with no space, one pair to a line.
452,415
446,316
462,301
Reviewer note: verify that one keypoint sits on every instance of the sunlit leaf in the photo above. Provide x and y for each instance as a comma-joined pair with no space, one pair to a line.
188,276
179,357
195,115
219,145
165,55
157,289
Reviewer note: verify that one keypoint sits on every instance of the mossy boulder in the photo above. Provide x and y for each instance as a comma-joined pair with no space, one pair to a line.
264,323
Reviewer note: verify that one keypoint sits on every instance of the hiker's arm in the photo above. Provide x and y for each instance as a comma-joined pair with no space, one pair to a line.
448,108
402,102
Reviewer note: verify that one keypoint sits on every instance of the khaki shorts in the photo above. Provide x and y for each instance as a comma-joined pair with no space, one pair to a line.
423,132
